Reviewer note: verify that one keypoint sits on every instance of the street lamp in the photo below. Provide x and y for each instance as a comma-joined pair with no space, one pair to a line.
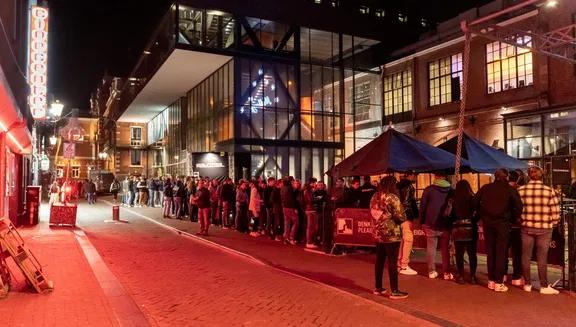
53,139
56,108
551,3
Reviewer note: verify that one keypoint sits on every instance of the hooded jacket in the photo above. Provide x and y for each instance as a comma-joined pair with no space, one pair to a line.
432,202
408,198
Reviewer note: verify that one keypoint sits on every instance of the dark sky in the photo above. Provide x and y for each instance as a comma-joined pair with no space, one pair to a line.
89,37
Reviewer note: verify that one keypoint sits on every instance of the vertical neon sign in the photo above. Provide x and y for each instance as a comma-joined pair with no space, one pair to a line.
38,62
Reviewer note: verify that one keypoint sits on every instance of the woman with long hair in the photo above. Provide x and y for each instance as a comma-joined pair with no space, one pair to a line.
465,229
388,215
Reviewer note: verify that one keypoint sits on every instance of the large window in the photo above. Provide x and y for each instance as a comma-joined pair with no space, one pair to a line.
508,67
135,157
445,79
397,94
135,136
75,172
524,137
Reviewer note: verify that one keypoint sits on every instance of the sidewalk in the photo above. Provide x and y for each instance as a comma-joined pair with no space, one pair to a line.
77,299
438,301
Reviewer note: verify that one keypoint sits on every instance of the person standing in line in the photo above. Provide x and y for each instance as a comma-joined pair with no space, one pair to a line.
126,192
387,217
353,195
203,202
215,201
320,201
499,205
143,190
433,207
90,189
540,216
407,193
311,216
54,193
254,208
167,193
178,191
241,207
227,198
367,190
277,210
515,243
289,211
115,189
151,191
268,202
158,183
465,230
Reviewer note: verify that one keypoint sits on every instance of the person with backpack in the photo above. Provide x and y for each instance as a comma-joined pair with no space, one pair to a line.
435,209
168,193
114,189
465,230
499,206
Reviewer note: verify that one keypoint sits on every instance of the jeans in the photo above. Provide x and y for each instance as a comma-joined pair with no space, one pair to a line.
406,244
132,199
311,226
432,238
177,206
90,197
541,237
157,198
241,218
515,245
389,250
290,223
204,219
470,248
215,212
167,206
271,222
226,213
497,237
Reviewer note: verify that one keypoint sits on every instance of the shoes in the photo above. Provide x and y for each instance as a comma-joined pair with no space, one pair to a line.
473,280
278,239
500,288
225,227
518,282
549,290
407,271
292,242
379,291
311,246
460,280
491,285
432,274
397,295
527,288
254,234
448,276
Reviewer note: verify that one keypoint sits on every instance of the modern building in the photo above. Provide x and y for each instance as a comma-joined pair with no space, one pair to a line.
15,118
278,92
518,100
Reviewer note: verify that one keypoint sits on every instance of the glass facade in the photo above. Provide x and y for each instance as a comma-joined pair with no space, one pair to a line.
524,137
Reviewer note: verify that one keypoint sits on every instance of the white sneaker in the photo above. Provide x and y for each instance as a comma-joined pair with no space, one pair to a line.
448,276
432,274
518,282
500,288
549,290
527,288
311,246
491,285
407,271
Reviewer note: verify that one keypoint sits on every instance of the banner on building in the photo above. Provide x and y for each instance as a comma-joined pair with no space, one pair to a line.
210,164
38,62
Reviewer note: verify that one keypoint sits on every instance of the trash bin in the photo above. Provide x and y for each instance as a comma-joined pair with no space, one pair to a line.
32,205
115,212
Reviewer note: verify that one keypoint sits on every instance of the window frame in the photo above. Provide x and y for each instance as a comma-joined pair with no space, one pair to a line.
135,141
439,77
524,53
73,170
131,157
403,74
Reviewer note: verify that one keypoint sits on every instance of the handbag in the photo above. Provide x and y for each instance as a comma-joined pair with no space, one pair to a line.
462,230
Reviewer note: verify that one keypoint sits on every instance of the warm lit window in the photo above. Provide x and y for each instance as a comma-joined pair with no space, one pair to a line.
59,171
135,157
397,93
402,18
135,136
318,2
445,79
508,67
379,13
364,10
75,172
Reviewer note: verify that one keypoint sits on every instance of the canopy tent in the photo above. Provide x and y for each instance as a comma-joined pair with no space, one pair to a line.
481,157
393,151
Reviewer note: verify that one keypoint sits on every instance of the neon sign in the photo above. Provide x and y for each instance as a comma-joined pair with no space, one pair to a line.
38,62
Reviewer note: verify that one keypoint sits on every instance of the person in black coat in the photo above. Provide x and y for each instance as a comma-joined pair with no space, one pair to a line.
465,230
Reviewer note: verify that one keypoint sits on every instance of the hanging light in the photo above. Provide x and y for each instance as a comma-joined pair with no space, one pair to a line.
56,108
53,139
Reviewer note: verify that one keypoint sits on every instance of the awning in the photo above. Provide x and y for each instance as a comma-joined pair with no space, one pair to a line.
481,157
18,136
393,151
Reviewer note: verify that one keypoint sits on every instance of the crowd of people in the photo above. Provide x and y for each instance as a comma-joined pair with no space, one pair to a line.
517,212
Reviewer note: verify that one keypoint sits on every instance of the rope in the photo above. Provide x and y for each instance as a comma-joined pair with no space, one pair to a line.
465,71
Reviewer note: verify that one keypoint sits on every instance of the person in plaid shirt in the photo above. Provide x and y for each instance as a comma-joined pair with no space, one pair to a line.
540,215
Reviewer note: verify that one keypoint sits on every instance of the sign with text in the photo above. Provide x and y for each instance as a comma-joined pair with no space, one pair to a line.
69,150
38,62
210,164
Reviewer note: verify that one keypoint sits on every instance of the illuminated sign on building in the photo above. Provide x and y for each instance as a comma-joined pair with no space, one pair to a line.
38,62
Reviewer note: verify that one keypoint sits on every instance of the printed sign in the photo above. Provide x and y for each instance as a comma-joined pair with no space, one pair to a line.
69,150
38,62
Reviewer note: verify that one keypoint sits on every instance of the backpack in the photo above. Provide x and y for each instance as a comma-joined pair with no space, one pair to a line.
446,215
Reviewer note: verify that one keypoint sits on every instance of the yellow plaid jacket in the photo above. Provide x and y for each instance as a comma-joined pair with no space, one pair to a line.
541,207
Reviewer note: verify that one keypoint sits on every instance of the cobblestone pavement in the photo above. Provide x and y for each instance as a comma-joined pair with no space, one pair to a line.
438,301
179,281
77,299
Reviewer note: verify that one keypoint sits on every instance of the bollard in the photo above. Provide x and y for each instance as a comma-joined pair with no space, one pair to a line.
116,213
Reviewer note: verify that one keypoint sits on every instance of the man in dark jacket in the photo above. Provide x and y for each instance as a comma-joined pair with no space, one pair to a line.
408,199
227,198
436,227
367,191
290,212
242,207
132,190
499,205
269,206
203,201
353,195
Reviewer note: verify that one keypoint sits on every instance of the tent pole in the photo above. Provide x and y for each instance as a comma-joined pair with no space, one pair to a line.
465,71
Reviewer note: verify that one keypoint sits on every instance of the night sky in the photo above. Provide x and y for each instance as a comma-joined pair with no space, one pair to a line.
88,38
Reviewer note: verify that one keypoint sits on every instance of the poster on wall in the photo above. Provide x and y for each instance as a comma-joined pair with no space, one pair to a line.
210,164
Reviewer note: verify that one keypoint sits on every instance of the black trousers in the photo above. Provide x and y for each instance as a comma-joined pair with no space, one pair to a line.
515,245
389,250
470,248
497,237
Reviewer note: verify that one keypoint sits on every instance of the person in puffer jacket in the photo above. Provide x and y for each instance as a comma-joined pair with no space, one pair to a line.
387,216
